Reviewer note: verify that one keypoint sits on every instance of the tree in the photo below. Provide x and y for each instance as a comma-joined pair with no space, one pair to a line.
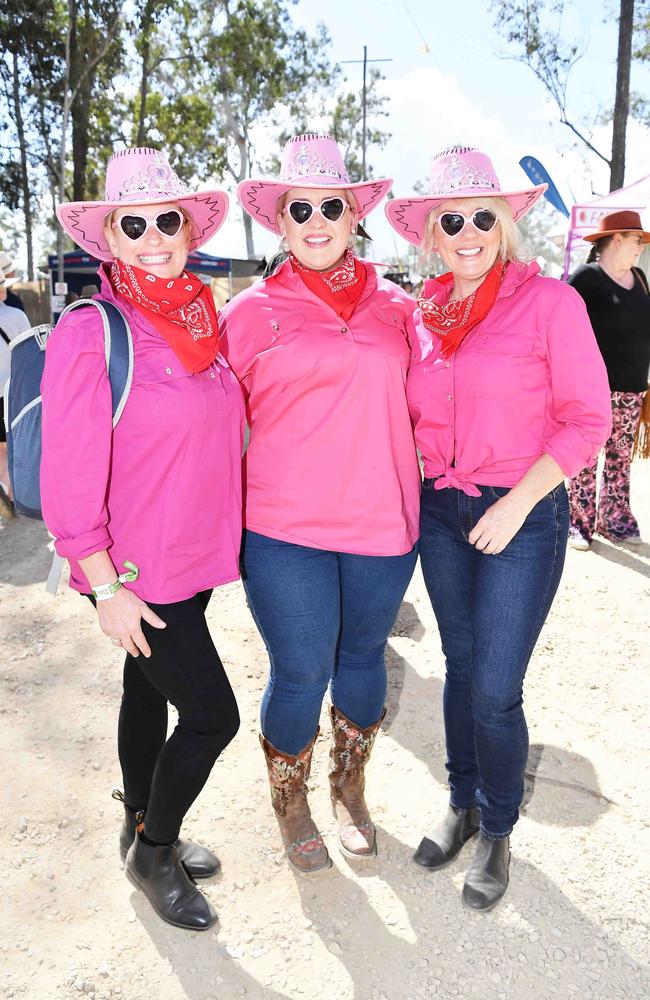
542,232
29,49
92,43
258,67
525,25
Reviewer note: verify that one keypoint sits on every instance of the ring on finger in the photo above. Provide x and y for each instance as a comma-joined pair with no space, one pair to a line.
116,641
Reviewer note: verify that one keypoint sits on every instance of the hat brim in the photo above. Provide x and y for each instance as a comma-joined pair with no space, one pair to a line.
594,237
259,198
83,221
408,216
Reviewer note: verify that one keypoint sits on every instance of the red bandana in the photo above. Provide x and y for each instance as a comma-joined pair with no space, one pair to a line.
183,311
452,321
340,288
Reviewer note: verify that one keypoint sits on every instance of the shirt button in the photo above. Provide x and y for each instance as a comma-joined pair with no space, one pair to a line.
212,375
447,364
450,396
168,371
344,329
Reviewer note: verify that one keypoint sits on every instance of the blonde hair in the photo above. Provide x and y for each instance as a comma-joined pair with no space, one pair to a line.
510,247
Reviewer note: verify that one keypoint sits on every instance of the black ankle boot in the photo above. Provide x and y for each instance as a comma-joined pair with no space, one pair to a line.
448,838
199,861
172,893
487,878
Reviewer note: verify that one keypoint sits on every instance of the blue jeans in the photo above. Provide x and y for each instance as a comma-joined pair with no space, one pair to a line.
490,610
325,618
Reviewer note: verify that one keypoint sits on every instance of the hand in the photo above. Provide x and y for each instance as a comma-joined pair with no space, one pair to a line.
499,525
120,617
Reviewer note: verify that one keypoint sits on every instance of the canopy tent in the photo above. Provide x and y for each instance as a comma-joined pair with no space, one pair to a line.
79,268
585,218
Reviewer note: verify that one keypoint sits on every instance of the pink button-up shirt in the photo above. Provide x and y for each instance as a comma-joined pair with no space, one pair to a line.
164,488
331,461
528,380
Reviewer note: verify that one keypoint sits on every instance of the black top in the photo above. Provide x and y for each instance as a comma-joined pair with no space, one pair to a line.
14,301
621,322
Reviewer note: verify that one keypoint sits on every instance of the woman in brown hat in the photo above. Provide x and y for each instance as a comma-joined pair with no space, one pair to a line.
616,295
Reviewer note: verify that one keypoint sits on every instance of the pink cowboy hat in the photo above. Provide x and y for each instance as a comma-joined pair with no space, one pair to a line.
141,177
308,161
457,172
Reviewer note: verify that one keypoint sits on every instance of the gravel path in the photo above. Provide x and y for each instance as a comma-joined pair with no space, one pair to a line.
574,923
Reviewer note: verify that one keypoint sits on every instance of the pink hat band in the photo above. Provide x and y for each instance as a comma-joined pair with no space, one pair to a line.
311,160
141,176
457,172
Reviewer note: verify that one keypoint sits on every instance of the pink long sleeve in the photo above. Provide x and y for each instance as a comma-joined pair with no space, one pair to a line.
76,437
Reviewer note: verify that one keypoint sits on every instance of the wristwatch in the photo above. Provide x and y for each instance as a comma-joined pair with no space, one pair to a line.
105,591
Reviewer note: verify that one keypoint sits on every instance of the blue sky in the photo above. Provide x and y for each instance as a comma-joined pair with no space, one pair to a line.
462,91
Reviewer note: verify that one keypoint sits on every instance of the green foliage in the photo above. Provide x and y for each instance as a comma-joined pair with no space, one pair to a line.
182,125
534,30
10,184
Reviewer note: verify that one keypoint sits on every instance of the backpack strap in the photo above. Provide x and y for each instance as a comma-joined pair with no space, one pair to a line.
642,278
118,348
4,337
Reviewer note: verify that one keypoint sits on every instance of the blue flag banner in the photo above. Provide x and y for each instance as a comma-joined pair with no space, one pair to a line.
540,175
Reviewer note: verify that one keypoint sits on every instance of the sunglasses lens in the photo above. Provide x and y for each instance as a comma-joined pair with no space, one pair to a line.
300,211
484,219
451,223
133,226
169,223
332,209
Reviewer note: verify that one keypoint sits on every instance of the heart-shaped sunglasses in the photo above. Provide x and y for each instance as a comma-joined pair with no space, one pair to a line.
135,226
330,208
453,223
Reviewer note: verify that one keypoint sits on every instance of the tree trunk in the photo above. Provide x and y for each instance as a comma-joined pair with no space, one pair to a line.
248,230
80,113
141,137
81,85
145,34
622,103
24,176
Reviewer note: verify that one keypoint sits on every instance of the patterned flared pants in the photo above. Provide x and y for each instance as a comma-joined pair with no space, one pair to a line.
611,517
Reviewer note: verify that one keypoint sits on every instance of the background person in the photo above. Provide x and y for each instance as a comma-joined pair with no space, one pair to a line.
615,293
13,321
500,419
331,484
162,491
8,267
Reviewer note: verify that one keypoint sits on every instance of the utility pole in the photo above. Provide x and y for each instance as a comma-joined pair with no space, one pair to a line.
364,131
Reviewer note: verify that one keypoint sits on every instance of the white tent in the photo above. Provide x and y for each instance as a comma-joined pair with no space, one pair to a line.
585,218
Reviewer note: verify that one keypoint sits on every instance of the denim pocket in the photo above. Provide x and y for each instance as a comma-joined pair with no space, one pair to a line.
499,491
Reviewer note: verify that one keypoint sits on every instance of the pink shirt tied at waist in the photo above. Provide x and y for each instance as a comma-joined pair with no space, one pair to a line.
528,380
331,462
164,488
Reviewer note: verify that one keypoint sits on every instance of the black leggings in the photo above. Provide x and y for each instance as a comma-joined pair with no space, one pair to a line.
165,776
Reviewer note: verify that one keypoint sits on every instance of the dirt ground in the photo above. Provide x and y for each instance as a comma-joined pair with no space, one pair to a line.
574,923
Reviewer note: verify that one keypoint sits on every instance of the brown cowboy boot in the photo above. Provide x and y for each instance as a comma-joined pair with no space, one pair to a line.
349,754
288,776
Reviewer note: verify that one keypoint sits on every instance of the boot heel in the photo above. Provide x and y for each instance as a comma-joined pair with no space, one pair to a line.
288,776
349,753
